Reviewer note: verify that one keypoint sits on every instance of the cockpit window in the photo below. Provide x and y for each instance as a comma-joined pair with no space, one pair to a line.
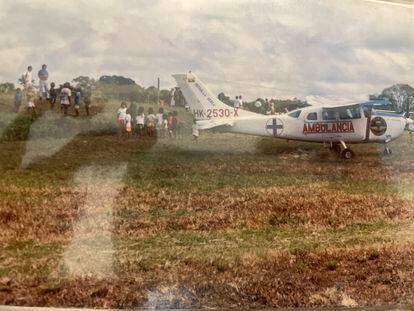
295,114
312,116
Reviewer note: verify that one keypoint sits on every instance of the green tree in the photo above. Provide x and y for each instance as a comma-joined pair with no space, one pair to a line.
6,87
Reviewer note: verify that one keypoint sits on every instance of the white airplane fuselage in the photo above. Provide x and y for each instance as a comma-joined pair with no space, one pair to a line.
355,130
334,124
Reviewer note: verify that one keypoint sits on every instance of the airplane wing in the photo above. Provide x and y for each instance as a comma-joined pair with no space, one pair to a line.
331,101
208,124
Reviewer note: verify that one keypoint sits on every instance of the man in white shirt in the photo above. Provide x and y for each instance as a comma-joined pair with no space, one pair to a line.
258,105
27,78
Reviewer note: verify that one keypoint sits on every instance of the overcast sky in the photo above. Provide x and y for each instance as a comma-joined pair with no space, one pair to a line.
255,48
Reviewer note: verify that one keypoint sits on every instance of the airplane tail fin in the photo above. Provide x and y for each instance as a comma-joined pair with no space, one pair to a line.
202,102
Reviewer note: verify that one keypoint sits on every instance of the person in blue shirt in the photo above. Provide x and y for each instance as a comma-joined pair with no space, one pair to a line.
77,100
43,85
18,97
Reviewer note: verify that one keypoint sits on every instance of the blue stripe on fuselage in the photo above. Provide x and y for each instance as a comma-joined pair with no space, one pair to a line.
387,114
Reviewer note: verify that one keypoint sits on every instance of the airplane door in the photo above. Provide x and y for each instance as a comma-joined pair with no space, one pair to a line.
345,123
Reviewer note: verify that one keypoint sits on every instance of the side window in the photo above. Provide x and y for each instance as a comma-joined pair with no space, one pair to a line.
312,116
329,115
342,113
295,114
350,113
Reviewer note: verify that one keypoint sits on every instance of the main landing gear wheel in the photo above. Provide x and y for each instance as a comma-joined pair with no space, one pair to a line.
387,151
347,154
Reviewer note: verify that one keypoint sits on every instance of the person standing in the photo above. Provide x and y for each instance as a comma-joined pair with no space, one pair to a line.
27,78
236,103
172,97
240,102
140,122
164,125
65,97
267,106
87,101
18,98
77,101
272,106
178,97
128,125
53,95
195,131
43,86
258,105
151,122
133,110
176,126
121,114
30,95
159,119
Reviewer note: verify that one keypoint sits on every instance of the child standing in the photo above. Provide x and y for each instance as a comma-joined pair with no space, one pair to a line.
170,122
30,95
164,125
77,101
195,131
151,122
65,97
159,119
128,126
140,121
176,126
18,97
121,113
53,95
87,100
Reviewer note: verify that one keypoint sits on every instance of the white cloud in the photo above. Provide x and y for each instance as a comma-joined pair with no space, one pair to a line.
257,48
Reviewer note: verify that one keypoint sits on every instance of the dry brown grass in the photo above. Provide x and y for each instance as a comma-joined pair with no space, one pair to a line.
293,228
48,213
359,276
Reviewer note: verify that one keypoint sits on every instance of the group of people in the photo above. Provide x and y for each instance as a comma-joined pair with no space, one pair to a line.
65,93
176,98
133,121
238,102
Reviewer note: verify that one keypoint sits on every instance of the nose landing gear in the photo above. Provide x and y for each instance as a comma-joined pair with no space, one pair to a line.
387,151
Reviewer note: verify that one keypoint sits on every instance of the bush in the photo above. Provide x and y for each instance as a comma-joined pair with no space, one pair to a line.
18,129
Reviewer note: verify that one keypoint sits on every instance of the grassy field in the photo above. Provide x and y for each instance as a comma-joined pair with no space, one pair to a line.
89,218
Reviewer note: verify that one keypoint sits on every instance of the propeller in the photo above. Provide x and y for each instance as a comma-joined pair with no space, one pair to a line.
409,124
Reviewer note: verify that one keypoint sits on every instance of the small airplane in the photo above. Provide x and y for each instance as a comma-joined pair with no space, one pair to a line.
334,124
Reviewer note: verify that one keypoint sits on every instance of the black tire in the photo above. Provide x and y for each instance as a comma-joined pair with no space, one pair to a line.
347,154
